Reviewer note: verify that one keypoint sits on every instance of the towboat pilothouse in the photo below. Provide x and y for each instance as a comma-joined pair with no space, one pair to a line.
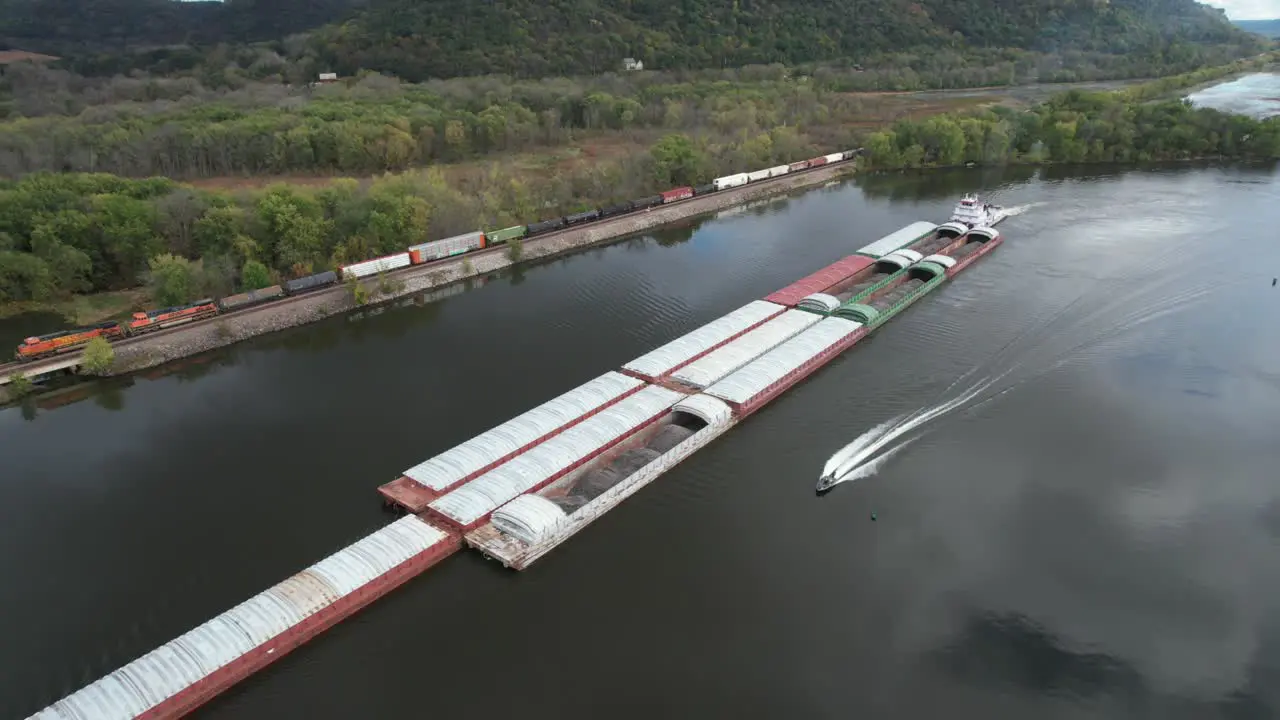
974,213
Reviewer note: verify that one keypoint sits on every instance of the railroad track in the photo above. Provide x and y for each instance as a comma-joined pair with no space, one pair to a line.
38,367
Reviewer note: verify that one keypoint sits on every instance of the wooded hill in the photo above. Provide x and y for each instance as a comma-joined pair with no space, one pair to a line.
421,39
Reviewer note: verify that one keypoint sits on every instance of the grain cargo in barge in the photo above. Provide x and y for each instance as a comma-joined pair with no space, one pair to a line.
181,675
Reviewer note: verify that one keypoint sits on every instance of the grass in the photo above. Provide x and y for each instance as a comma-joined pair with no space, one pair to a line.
82,309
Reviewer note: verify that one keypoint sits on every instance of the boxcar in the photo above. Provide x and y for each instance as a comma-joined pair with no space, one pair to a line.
376,265
729,181
253,297
674,194
310,282
438,249
802,165
497,237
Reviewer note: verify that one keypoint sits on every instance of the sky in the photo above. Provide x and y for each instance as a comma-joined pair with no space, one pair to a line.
1248,9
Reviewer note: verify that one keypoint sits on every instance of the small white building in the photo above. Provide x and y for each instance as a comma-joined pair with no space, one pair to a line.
632,64
328,77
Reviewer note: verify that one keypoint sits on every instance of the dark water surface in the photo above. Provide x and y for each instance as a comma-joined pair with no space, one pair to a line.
1101,540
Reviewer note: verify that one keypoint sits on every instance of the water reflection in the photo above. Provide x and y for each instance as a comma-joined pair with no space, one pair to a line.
1011,649
915,185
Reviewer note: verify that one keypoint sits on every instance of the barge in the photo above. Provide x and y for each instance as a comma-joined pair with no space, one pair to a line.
185,673
524,487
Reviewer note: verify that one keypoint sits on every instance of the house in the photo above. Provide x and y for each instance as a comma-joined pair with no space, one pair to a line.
632,64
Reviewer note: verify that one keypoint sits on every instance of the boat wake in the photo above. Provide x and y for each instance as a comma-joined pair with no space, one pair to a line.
1032,353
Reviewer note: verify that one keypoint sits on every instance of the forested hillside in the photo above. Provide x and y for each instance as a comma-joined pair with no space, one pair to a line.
80,27
417,39
421,39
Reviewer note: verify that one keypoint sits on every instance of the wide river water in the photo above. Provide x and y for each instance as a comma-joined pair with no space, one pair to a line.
1095,536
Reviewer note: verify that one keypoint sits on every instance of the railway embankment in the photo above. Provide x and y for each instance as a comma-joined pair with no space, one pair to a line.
229,329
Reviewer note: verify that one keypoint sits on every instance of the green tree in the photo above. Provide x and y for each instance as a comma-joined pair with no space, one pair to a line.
98,357
172,280
677,161
254,275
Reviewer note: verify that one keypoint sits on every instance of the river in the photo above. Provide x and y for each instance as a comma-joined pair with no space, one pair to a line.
1098,541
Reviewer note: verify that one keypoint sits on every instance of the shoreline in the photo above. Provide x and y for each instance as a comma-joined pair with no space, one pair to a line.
223,331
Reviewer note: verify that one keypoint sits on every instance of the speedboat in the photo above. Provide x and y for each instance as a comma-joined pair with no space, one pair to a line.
974,213
826,482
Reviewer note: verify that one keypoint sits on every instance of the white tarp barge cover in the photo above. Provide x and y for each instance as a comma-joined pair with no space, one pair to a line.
688,346
724,360
177,665
901,238
454,465
759,374
492,490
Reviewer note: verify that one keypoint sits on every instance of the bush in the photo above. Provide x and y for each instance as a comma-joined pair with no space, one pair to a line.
19,385
359,295
515,249
98,357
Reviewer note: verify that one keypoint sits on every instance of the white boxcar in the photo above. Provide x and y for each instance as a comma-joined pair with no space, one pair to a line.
376,265
834,157
777,170
437,249
729,181
758,175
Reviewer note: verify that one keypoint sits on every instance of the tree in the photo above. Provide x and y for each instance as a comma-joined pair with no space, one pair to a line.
172,280
98,357
254,275
677,161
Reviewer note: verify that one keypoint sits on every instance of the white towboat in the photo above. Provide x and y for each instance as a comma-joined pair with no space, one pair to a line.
974,213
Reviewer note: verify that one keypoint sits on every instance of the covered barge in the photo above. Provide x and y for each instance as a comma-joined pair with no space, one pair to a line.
520,489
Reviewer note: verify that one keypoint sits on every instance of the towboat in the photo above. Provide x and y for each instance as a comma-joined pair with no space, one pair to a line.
974,213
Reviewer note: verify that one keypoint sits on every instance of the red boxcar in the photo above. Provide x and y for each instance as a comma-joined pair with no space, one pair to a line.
680,193
818,161
802,165
55,343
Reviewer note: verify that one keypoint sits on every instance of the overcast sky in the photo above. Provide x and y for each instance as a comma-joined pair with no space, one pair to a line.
1248,9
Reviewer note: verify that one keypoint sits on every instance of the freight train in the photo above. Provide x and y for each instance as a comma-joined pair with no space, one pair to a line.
44,346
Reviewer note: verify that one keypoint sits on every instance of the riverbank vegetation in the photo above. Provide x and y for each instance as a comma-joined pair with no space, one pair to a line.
63,234
1133,125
